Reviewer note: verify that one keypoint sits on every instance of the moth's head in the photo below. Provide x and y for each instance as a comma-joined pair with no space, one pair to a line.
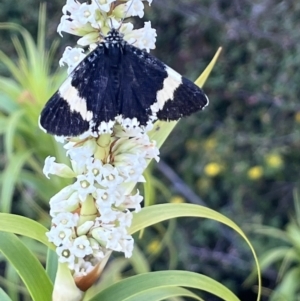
114,36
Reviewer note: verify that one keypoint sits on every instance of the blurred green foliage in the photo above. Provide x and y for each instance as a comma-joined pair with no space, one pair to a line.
25,147
285,257
240,156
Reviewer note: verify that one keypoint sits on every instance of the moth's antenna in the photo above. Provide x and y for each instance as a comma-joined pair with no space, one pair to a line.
122,20
100,30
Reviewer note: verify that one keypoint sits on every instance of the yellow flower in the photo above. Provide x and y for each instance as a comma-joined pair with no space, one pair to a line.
255,172
297,117
177,199
274,160
210,144
154,246
212,169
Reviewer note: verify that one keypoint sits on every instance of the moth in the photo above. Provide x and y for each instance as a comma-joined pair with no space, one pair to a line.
118,81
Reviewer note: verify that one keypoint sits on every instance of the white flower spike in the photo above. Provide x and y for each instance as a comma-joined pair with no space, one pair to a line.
91,217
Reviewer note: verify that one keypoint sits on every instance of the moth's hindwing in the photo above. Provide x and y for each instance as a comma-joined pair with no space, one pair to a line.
72,110
187,98
160,86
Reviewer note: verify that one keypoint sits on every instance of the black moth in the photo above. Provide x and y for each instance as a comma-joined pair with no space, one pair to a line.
118,80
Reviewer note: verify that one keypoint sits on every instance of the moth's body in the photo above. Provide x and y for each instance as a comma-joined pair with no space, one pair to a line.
118,80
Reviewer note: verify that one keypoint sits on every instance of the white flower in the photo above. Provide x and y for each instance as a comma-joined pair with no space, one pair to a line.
106,127
133,202
111,177
108,215
58,169
81,155
127,245
128,123
72,57
135,8
84,186
82,268
143,38
73,26
94,167
66,219
133,170
91,217
69,204
113,238
81,247
59,235
108,197
71,7
125,219
65,255
86,13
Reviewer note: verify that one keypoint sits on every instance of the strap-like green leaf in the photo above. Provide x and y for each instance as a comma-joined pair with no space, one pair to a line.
163,293
130,288
29,268
3,295
158,213
9,179
24,226
52,264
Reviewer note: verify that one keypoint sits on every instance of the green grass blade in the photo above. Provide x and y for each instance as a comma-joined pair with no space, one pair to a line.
163,293
289,287
149,189
13,68
3,124
28,267
24,226
41,28
158,213
11,128
9,179
52,264
12,277
139,261
3,295
131,287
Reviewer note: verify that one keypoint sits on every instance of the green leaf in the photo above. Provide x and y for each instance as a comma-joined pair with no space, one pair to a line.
139,262
268,258
149,190
288,288
3,123
273,232
163,293
9,179
24,226
130,288
11,127
3,295
158,213
52,264
28,267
